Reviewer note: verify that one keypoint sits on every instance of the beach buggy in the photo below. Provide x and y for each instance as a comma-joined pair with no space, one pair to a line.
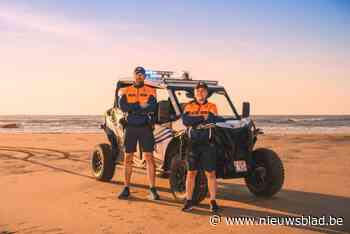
234,140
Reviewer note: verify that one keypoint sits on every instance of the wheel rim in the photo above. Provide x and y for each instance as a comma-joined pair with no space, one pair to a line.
259,178
97,163
260,175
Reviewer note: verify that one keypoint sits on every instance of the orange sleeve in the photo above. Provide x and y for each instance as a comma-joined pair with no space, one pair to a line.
213,109
122,91
187,107
152,91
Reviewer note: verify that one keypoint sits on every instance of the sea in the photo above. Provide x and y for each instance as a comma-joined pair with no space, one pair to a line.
280,124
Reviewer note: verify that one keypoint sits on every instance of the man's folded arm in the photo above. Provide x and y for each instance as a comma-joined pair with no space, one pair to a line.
128,107
192,121
150,107
213,118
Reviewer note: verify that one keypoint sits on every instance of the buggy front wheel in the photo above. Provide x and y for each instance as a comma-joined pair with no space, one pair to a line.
102,163
177,181
267,176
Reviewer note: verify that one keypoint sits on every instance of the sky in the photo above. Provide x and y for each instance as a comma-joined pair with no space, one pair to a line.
284,57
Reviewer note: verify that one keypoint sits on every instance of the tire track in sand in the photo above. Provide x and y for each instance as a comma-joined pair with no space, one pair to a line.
45,157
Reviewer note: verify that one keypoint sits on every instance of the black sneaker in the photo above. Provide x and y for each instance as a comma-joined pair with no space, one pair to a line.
153,194
214,206
187,206
125,193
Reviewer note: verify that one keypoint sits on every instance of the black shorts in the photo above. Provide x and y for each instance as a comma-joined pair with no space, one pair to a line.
202,157
143,135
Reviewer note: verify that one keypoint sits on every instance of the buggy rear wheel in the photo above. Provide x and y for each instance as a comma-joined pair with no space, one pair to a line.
177,181
102,163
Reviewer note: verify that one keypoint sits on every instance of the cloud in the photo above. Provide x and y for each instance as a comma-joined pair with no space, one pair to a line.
17,20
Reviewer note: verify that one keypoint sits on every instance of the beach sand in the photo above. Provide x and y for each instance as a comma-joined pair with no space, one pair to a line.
47,187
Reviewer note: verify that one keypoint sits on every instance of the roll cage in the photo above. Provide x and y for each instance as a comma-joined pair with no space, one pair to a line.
173,85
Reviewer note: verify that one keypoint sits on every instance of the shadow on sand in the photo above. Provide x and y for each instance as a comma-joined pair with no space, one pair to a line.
295,203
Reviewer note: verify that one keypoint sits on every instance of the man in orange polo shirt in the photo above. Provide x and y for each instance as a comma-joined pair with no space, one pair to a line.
138,102
203,155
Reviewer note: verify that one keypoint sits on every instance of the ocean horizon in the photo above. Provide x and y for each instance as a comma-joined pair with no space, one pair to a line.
91,123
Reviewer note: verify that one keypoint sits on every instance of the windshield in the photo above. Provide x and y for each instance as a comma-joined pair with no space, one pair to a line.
218,97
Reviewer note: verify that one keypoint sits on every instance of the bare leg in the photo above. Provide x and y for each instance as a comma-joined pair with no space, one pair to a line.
128,161
190,182
150,168
212,184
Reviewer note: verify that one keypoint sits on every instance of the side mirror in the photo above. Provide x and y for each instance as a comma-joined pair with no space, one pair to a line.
246,110
164,112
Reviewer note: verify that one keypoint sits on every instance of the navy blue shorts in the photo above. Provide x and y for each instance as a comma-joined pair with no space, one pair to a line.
202,157
142,135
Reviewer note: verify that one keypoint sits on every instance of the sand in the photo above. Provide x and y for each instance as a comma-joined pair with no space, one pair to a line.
47,187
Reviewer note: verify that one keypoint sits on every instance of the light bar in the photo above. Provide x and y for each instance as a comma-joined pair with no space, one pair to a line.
177,81
164,73
158,74
154,74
